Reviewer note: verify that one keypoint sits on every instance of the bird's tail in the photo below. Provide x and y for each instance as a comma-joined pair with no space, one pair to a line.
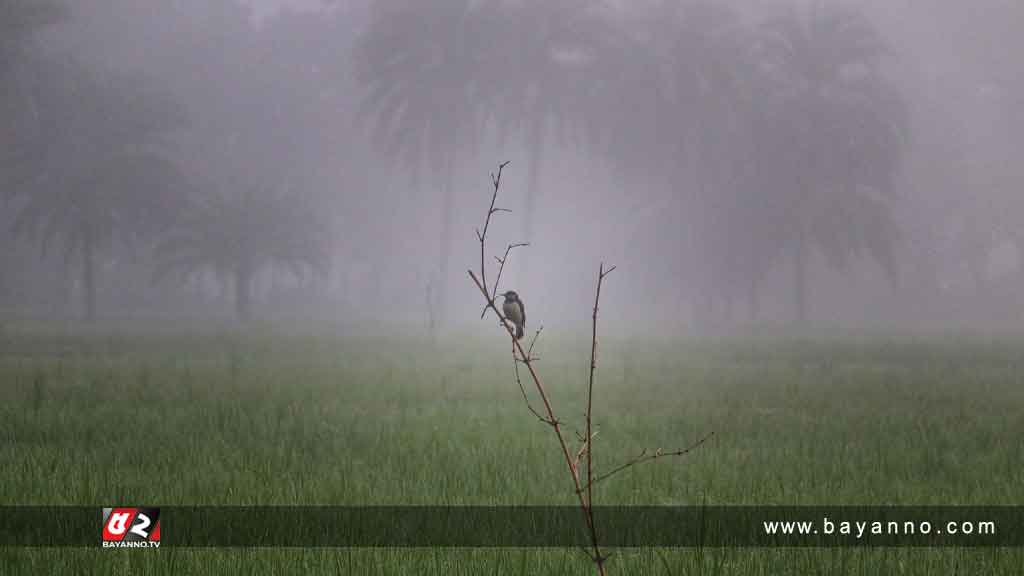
519,331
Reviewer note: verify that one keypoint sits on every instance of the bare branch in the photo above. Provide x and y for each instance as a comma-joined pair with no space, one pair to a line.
586,553
525,397
533,341
645,457
482,236
589,496
501,268
583,487
585,446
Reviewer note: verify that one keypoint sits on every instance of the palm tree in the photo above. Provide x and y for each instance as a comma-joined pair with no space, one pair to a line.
419,65
20,20
239,235
96,174
763,179
709,67
842,127
543,69
685,89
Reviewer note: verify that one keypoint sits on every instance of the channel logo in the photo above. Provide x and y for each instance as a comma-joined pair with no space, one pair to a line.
131,528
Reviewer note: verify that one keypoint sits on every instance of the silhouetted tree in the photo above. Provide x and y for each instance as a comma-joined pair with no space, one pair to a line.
546,59
682,125
20,21
710,67
419,65
842,126
96,171
238,235
759,219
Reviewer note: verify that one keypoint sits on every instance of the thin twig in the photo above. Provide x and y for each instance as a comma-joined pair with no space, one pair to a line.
590,412
579,453
584,446
645,457
526,398
481,236
583,488
517,347
552,420
533,341
501,268
586,553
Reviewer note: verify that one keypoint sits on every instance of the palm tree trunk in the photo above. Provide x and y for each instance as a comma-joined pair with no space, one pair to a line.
753,306
800,276
65,294
535,158
243,293
89,274
447,209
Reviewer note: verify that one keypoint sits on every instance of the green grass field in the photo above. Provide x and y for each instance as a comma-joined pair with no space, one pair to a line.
284,419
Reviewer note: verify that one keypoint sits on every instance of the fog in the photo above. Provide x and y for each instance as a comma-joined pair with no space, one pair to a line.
747,165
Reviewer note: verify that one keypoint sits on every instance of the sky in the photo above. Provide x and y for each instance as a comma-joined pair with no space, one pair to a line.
265,8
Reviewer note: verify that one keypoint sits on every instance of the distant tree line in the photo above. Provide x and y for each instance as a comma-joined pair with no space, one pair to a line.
754,144
94,167
777,138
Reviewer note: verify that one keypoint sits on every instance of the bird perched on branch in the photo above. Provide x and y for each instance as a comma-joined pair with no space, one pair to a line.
515,312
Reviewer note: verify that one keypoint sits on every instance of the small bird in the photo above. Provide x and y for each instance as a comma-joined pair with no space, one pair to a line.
515,312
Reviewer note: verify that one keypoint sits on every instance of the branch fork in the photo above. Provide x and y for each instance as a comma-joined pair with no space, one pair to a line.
581,460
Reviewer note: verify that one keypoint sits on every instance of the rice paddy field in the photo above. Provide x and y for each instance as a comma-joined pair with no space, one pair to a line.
169,418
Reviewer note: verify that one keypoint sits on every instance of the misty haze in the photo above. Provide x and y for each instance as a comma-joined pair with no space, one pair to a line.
245,227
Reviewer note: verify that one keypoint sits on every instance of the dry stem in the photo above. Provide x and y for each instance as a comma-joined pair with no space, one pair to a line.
583,489
645,457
